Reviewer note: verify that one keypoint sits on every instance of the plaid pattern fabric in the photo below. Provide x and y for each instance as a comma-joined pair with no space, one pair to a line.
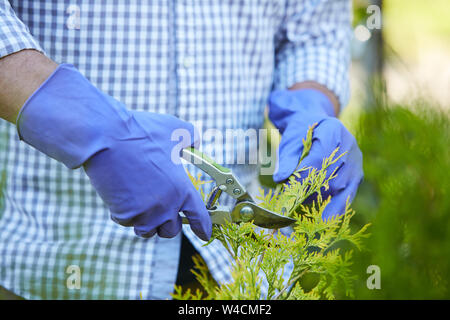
209,62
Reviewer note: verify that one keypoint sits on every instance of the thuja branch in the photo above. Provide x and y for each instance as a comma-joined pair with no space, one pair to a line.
260,259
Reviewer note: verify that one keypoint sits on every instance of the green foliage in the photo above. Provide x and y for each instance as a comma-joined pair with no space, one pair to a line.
405,195
360,11
321,268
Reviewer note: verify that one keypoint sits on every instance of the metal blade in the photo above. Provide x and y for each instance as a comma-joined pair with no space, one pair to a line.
249,211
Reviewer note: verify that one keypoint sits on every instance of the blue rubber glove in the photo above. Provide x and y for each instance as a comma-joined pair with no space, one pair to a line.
292,112
128,155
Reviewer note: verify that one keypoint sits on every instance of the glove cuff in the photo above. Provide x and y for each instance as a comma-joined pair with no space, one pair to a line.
69,119
298,107
316,99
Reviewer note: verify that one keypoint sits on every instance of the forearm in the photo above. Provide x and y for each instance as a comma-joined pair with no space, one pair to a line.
314,85
314,49
21,73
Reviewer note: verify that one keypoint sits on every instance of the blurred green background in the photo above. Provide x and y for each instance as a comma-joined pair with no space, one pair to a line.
400,114
413,56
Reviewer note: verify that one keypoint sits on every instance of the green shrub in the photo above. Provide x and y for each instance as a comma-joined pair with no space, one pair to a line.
405,196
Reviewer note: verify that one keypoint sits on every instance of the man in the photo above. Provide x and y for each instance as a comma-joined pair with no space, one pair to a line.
97,135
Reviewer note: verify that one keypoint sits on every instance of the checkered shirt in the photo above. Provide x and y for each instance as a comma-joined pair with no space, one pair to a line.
210,62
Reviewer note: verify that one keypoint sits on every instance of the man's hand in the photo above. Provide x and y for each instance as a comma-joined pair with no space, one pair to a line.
292,112
126,154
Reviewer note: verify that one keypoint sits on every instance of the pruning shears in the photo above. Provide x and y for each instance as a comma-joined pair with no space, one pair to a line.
245,208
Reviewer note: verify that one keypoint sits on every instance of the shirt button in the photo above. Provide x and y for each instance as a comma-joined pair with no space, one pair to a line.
188,62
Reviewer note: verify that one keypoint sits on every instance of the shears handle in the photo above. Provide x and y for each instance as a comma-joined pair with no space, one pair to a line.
224,178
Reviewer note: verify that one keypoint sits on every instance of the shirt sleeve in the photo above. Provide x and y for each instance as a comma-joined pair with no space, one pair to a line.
313,44
14,35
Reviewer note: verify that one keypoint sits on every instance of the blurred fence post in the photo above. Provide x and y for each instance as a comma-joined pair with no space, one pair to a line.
368,50
373,62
